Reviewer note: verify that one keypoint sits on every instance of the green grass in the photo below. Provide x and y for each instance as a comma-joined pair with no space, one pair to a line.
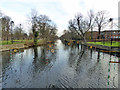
16,42
114,43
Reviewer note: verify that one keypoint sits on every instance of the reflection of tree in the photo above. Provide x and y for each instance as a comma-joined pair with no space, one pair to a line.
78,57
35,52
91,53
119,74
6,59
66,47
71,46
92,69
42,61
75,56
98,56
81,54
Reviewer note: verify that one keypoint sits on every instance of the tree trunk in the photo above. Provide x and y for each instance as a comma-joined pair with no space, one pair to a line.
99,29
91,34
35,41
34,37
84,38
7,39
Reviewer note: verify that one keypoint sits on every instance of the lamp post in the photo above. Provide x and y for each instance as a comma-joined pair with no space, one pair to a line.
20,32
20,26
111,20
11,24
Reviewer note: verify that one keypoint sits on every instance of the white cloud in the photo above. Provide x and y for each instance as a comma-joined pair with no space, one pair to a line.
17,18
109,5
60,11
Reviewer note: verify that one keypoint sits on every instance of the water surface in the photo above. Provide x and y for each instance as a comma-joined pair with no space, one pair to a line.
58,65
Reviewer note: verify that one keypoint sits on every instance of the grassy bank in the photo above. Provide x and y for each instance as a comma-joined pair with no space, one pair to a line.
114,43
18,42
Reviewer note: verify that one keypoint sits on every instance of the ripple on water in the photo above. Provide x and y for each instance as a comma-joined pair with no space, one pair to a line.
66,67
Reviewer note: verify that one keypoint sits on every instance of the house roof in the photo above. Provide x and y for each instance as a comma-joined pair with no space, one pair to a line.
111,31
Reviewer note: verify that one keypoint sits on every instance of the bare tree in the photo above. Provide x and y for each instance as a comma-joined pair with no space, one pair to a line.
1,14
47,29
42,26
33,18
18,32
66,35
5,27
30,35
43,22
82,25
101,19
91,17
52,31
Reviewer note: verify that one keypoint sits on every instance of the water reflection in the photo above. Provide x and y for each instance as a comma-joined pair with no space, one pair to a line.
119,74
46,56
91,51
59,66
35,52
98,56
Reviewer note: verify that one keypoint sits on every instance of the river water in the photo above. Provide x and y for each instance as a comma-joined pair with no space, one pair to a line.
59,66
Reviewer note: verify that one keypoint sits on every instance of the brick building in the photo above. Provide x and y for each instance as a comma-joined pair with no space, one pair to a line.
106,35
92,35
111,34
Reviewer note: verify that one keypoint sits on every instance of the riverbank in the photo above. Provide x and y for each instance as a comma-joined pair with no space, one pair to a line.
113,44
106,47
103,48
18,46
4,42
12,46
66,67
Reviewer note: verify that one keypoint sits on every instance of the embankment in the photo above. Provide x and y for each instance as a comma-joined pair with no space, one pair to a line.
102,47
17,46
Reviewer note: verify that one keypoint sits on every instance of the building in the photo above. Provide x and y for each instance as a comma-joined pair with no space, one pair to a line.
91,35
110,34
107,35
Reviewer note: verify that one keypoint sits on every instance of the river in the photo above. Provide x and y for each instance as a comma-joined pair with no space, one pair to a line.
59,66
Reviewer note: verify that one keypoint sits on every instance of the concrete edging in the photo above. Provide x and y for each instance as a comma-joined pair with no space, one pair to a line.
108,48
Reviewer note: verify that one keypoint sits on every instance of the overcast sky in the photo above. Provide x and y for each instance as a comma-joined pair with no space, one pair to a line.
59,11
